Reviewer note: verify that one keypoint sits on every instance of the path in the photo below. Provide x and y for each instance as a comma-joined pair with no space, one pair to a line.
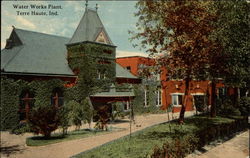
237,147
18,149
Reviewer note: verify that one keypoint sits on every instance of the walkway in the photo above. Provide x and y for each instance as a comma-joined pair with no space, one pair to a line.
237,147
17,148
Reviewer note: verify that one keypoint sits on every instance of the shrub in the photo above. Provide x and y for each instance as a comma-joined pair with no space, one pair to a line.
21,128
244,106
44,120
64,118
103,115
225,107
180,146
88,111
76,113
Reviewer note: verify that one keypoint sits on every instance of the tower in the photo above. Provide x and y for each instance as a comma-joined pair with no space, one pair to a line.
91,48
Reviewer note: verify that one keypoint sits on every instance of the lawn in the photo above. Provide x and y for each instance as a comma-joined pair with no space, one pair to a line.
56,138
142,143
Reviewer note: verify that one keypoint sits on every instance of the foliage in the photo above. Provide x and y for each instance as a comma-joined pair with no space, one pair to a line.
88,111
180,32
76,113
138,101
103,117
10,100
225,107
178,148
10,91
199,103
21,128
143,142
87,60
80,112
43,91
232,33
44,120
44,117
244,106
64,118
94,65
118,111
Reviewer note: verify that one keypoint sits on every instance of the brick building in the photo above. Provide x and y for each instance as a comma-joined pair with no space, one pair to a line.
171,91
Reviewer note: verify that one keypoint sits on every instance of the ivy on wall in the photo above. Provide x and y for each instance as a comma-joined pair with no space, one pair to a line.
11,91
95,66
43,91
139,100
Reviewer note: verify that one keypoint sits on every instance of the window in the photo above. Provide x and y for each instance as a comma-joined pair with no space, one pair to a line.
107,51
26,103
146,97
126,105
177,99
101,38
221,92
57,97
101,75
199,102
158,97
158,77
128,68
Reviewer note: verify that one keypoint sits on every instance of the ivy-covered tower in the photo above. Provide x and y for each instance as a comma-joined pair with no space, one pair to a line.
91,53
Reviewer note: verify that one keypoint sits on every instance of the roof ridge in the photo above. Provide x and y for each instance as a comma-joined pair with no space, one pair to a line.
41,33
133,56
92,9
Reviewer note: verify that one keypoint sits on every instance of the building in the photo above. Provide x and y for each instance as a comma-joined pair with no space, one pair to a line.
33,56
170,92
150,89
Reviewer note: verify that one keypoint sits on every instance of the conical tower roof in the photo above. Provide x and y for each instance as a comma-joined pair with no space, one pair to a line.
89,29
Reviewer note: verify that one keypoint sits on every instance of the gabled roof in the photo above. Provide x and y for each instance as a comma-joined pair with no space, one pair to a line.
42,54
89,28
123,73
38,53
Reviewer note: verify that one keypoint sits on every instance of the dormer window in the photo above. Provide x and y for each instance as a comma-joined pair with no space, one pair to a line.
9,44
101,38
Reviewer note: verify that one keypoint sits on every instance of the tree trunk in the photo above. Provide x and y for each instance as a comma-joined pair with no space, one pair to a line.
213,96
183,106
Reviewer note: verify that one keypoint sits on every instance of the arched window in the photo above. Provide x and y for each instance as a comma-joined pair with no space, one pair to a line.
57,97
26,103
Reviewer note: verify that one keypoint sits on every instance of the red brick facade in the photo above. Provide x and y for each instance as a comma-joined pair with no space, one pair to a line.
173,89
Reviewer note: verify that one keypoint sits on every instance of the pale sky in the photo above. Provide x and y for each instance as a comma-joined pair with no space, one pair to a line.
117,17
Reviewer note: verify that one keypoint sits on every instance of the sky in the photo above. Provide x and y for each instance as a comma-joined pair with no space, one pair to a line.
117,17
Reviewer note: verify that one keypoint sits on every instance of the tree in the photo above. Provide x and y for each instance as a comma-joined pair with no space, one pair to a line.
44,117
88,111
76,113
232,33
180,32
44,120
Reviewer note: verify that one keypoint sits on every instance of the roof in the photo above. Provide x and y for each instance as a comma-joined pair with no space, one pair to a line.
123,73
114,93
38,53
89,28
42,54
135,56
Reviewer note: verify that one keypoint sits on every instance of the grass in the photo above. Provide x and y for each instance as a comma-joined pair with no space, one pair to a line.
143,142
56,138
